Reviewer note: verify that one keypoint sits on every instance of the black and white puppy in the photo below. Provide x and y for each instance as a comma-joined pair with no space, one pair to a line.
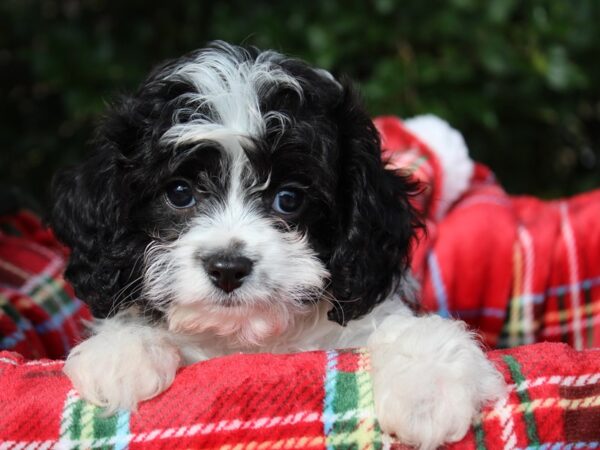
238,202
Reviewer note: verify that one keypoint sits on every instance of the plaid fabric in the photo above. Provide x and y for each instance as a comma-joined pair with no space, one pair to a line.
316,400
39,314
556,272
403,150
261,403
517,269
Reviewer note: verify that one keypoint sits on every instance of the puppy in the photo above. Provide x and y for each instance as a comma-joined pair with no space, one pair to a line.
237,202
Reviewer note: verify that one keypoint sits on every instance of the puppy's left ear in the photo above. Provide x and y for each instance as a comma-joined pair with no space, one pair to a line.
378,221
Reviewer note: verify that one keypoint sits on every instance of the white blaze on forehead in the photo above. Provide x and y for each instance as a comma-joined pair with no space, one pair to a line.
227,88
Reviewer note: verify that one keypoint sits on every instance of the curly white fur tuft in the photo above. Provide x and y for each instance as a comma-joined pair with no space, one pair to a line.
229,86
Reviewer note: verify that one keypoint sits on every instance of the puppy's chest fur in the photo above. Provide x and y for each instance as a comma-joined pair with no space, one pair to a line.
313,331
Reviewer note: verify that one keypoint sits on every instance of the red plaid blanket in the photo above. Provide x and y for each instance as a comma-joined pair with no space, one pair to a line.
317,400
518,269
39,315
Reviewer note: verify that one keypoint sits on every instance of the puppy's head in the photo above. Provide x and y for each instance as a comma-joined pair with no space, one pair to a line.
234,191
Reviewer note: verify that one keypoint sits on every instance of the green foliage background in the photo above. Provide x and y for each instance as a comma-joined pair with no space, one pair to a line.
521,79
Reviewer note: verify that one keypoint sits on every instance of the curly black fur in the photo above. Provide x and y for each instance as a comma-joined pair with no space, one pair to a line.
378,221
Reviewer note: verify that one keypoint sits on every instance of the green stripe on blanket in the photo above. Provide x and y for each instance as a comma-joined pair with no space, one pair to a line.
84,425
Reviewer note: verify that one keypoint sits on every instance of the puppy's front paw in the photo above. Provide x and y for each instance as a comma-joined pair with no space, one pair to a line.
430,379
121,366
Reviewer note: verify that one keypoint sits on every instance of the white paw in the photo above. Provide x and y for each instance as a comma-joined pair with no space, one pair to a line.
122,365
430,379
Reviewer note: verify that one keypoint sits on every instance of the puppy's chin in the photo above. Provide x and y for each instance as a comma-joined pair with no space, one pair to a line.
242,324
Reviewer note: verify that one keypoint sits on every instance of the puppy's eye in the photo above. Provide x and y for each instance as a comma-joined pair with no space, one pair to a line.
180,194
288,201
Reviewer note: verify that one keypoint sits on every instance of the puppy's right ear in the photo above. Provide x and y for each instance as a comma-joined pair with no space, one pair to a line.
378,222
90,214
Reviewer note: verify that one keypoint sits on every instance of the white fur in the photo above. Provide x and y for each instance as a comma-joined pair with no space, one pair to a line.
230,86
285,272
123,363
430,378
452,152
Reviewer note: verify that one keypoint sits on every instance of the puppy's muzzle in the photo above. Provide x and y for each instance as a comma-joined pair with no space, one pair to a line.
228,272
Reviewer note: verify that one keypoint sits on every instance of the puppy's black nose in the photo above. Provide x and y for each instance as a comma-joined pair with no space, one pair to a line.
227,272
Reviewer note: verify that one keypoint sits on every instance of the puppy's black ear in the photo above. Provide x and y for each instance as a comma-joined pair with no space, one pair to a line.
378,222
89,215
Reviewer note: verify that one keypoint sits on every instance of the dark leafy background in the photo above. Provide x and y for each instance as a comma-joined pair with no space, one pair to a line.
521,79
